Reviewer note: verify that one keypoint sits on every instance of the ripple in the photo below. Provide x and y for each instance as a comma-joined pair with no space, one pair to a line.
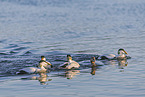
27,53
2,41
13,52
12,46
4,54
11,64
26,42
20,48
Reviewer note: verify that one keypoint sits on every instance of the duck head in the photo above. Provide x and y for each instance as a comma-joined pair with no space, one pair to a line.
43,58
92,60
122,51
69,57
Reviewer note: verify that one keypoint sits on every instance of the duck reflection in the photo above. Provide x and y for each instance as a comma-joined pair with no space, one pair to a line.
122,63
93,70
94,66
69,74
43,78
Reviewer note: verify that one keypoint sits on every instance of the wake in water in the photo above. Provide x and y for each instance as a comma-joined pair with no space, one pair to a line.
11,64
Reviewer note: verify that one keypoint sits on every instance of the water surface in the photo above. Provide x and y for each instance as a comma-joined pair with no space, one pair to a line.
82,28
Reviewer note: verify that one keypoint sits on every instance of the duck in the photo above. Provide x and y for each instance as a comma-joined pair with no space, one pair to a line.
44,63
122,54
70,64
93,60
42,67
93,65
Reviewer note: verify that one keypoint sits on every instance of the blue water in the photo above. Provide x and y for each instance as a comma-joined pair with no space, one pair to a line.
82,28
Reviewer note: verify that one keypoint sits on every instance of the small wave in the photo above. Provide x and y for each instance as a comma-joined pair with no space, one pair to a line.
20,48
11,64
8,53
1,41
13,52
26,42
39,2
3,54
27,53
12,46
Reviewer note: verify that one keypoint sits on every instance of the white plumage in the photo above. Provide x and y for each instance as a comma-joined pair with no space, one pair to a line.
42,67
122,54
70,64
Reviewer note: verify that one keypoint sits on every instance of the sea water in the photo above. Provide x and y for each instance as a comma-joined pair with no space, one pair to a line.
82,28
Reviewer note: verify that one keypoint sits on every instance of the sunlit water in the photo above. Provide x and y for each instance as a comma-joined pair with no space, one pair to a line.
82,28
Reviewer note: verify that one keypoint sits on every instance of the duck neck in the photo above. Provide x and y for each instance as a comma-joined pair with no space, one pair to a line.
70,60
43,68
121,53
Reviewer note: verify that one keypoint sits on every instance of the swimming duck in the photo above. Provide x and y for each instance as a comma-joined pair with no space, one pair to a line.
70,64
122,54
42,67
93,65
44,63
93,60
30,70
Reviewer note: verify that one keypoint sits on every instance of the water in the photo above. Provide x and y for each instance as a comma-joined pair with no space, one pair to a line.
82,28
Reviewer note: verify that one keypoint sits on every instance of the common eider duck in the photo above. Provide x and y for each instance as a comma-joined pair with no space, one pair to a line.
42,67
70,64
122,54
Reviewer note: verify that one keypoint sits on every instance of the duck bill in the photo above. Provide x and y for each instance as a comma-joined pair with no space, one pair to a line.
125,52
